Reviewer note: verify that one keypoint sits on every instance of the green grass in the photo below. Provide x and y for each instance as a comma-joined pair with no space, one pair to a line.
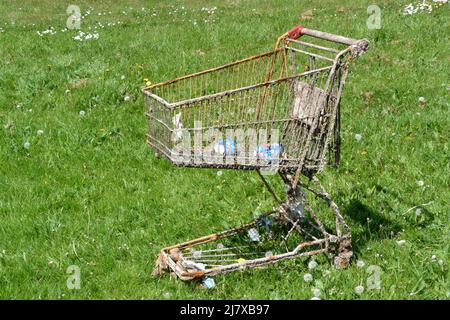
89,192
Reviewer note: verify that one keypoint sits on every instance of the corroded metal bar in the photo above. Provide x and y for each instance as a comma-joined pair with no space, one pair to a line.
312,54
315,46
212,69
233,91
328,36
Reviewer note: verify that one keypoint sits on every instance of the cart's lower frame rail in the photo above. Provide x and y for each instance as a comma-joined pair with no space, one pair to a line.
338,243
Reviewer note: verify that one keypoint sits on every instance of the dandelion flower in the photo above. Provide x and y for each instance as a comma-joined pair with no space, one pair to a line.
40,132
418,212
82,113
219,173
360,264
359,289
126,98
308,277
26,145
241,260
122,77
312,264
268,254
420,183
358,137
316,292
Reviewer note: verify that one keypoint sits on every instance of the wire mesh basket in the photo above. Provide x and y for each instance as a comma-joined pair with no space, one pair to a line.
278,110
221,117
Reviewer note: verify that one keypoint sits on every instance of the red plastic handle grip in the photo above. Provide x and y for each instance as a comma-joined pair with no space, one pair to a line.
296,32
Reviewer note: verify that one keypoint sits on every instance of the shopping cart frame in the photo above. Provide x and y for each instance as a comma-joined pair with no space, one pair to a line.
298,174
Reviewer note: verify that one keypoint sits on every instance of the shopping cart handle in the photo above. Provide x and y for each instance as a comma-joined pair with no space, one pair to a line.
297,32
300,30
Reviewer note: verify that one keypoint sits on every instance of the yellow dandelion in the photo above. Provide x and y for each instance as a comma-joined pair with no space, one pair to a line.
241,260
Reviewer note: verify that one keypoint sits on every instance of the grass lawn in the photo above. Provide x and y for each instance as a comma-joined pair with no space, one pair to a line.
79,186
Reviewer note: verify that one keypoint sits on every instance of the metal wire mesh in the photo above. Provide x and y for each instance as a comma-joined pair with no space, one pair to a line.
223,117
260,242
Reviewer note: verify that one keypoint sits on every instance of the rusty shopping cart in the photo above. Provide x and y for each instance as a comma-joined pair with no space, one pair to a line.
275,113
